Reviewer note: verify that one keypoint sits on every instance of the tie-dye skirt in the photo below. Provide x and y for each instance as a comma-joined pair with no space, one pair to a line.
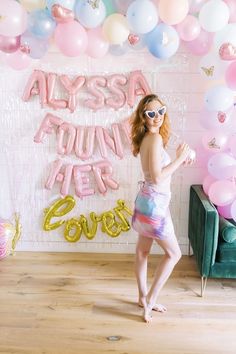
151,215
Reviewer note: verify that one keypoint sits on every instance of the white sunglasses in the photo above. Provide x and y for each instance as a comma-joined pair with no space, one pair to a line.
152,114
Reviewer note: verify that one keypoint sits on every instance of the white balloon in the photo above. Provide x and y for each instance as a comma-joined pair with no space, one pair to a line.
214,15
226,35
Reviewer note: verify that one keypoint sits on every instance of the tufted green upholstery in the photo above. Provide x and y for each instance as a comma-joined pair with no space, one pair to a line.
215,258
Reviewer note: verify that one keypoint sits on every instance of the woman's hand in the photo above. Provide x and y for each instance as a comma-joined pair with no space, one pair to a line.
182,152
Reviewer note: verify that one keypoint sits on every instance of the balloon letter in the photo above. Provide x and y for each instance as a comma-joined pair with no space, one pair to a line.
46,127
137,78
72,87
38,77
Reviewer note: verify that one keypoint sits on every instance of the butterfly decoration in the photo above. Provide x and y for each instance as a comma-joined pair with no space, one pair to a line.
212,144
208,71
94,3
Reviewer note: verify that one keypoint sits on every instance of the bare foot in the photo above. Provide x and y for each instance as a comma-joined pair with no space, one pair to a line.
156,307
147,314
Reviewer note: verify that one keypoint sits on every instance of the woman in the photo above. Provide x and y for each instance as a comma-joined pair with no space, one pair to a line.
151,219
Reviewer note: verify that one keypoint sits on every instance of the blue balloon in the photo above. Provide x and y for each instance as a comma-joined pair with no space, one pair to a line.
90,14
219,98
41,24
68,4
163,41
142,16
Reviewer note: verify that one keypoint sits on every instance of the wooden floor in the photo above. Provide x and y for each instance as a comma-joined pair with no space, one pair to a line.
66,303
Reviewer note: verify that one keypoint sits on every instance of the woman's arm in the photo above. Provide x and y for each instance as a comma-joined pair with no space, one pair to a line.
157,173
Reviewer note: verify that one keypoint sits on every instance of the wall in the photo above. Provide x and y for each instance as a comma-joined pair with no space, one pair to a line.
24,165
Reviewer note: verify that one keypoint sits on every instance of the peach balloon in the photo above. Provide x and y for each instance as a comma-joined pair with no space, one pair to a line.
172,12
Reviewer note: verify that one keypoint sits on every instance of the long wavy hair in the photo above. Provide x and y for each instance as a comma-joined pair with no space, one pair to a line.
138,124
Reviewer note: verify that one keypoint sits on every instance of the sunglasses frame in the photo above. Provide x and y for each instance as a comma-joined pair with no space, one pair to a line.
156,112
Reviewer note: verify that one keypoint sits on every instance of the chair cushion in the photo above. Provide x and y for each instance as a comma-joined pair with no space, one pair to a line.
226,252
227,230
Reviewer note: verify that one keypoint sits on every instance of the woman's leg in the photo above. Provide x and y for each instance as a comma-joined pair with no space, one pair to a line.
142,251
171,257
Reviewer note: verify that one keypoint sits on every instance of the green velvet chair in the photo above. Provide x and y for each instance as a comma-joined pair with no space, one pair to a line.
211,237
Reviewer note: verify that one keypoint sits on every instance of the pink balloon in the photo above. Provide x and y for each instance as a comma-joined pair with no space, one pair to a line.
101,141
202,44
72,87
214,141
64,177
232,10
13,18
18,60
71,38
71,133
189,28
225,211
233,210
113,82
126,127
9,44
61,14
222,192
227,51
138,86
97,45
37,77
207,182
102,173
230,76
52,102
49,122
84,149
82,181
222,166
232,144
93,87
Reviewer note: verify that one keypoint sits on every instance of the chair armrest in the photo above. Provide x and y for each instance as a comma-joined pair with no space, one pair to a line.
203,229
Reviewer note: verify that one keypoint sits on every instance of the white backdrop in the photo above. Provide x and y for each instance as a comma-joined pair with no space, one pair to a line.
24,165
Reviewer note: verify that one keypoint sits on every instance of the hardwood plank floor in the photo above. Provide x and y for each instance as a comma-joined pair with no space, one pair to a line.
66,303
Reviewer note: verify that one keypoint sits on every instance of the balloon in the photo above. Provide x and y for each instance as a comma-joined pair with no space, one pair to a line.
201,44
195,5
37,47
57,175
9,44
118,49
82,182
97,45
13,18
68,4
59,208
136,42
49,122
221,165
189,28
71,38
233,210
214,15
142,16
137,79
211,67
230,76
18,60
227,51
115,29
226,35
232,144
126,127
51,101
102,173
71,133
216,120
31,5
90,14
92,84
38,77
225,211
84,148
172,12
101,141
232,10
72,87
163,41
110,225
118,100
219,98
89,233
214,141
207,182
61,14
110,7
72,225
114,144
222,192
41,24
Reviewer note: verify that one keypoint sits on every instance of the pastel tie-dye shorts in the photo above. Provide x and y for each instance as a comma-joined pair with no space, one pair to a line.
151,215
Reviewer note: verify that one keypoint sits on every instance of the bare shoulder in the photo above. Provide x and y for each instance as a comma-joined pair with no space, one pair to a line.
156,139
